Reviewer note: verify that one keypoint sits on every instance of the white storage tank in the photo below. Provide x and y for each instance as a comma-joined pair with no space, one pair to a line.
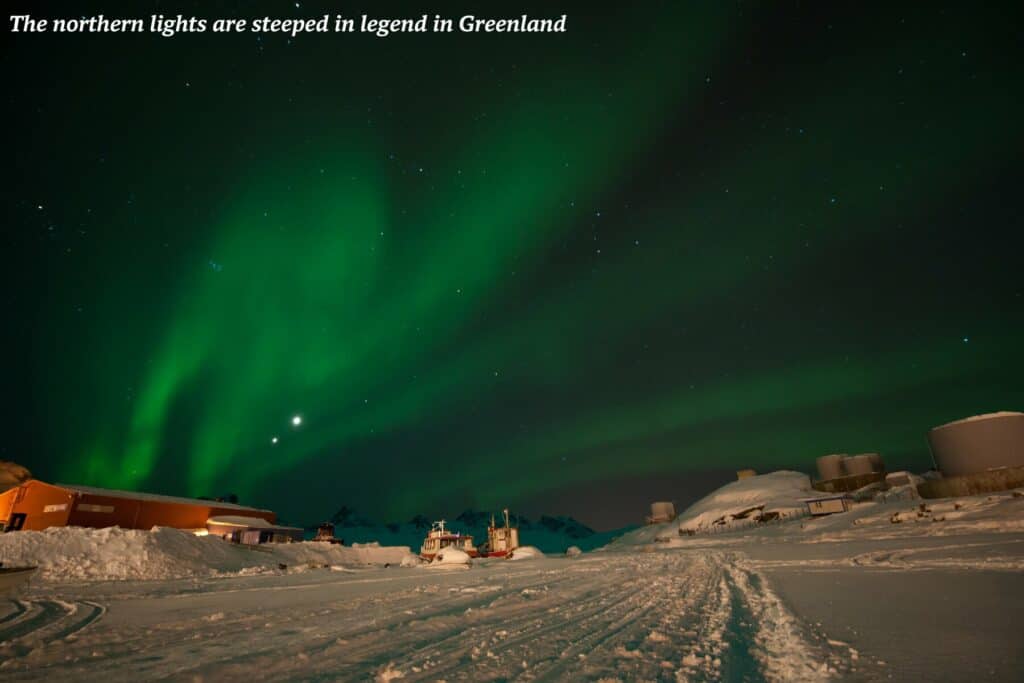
978,444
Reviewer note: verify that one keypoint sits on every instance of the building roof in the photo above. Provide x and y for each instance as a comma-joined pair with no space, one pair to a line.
248,522
154,497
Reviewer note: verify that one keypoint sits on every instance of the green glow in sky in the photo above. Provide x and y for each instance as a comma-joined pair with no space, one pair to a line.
660,244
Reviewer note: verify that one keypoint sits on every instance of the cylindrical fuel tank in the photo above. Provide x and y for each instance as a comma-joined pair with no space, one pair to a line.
858,464
830,466
875,459
980,443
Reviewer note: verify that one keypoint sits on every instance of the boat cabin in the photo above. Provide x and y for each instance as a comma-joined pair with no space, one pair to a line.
439,538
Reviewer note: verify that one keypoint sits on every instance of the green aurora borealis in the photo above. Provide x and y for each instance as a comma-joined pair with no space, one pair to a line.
698,237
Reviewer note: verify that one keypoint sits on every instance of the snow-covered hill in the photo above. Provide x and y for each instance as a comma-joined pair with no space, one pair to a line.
778,495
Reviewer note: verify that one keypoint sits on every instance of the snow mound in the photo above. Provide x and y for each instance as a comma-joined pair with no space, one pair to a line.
69,553
451,557
781,492
327,553
411,560
526,552
735,505
77,554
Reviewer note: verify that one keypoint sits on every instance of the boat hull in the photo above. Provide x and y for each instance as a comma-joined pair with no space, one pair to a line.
430,556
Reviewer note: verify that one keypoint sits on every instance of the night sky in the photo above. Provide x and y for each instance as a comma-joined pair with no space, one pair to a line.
561,272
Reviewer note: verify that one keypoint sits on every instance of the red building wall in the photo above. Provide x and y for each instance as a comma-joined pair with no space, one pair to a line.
42,504
45,505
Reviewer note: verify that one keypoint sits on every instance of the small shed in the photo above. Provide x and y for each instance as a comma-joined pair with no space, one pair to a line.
827,505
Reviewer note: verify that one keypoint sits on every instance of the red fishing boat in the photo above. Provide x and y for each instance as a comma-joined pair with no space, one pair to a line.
501,540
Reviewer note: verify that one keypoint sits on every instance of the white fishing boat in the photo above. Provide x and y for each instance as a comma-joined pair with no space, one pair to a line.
439,538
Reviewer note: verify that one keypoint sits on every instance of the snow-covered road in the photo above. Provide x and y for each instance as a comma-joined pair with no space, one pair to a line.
678,615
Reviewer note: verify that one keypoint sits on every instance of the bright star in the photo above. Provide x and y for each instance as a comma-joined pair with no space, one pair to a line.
297,420
273,440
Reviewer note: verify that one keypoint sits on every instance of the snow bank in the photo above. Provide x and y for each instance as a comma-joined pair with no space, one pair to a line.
327,553
526,552
781,492
77,554
451,558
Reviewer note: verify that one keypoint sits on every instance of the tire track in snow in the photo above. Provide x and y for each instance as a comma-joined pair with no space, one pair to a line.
601,613
364,623
17,610
44,621
445,640
784,647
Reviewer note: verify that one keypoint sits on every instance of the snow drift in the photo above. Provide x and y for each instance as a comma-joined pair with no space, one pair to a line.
733,505
525,552
451,558
781,492
77,554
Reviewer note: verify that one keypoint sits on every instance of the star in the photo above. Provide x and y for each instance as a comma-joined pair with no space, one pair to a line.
296,420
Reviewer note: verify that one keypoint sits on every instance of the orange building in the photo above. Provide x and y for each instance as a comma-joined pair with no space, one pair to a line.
36,505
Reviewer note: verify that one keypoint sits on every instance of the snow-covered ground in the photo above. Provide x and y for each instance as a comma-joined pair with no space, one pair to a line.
888,591
603,616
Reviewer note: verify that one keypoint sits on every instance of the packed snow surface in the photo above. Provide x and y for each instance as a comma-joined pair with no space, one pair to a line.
626,617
